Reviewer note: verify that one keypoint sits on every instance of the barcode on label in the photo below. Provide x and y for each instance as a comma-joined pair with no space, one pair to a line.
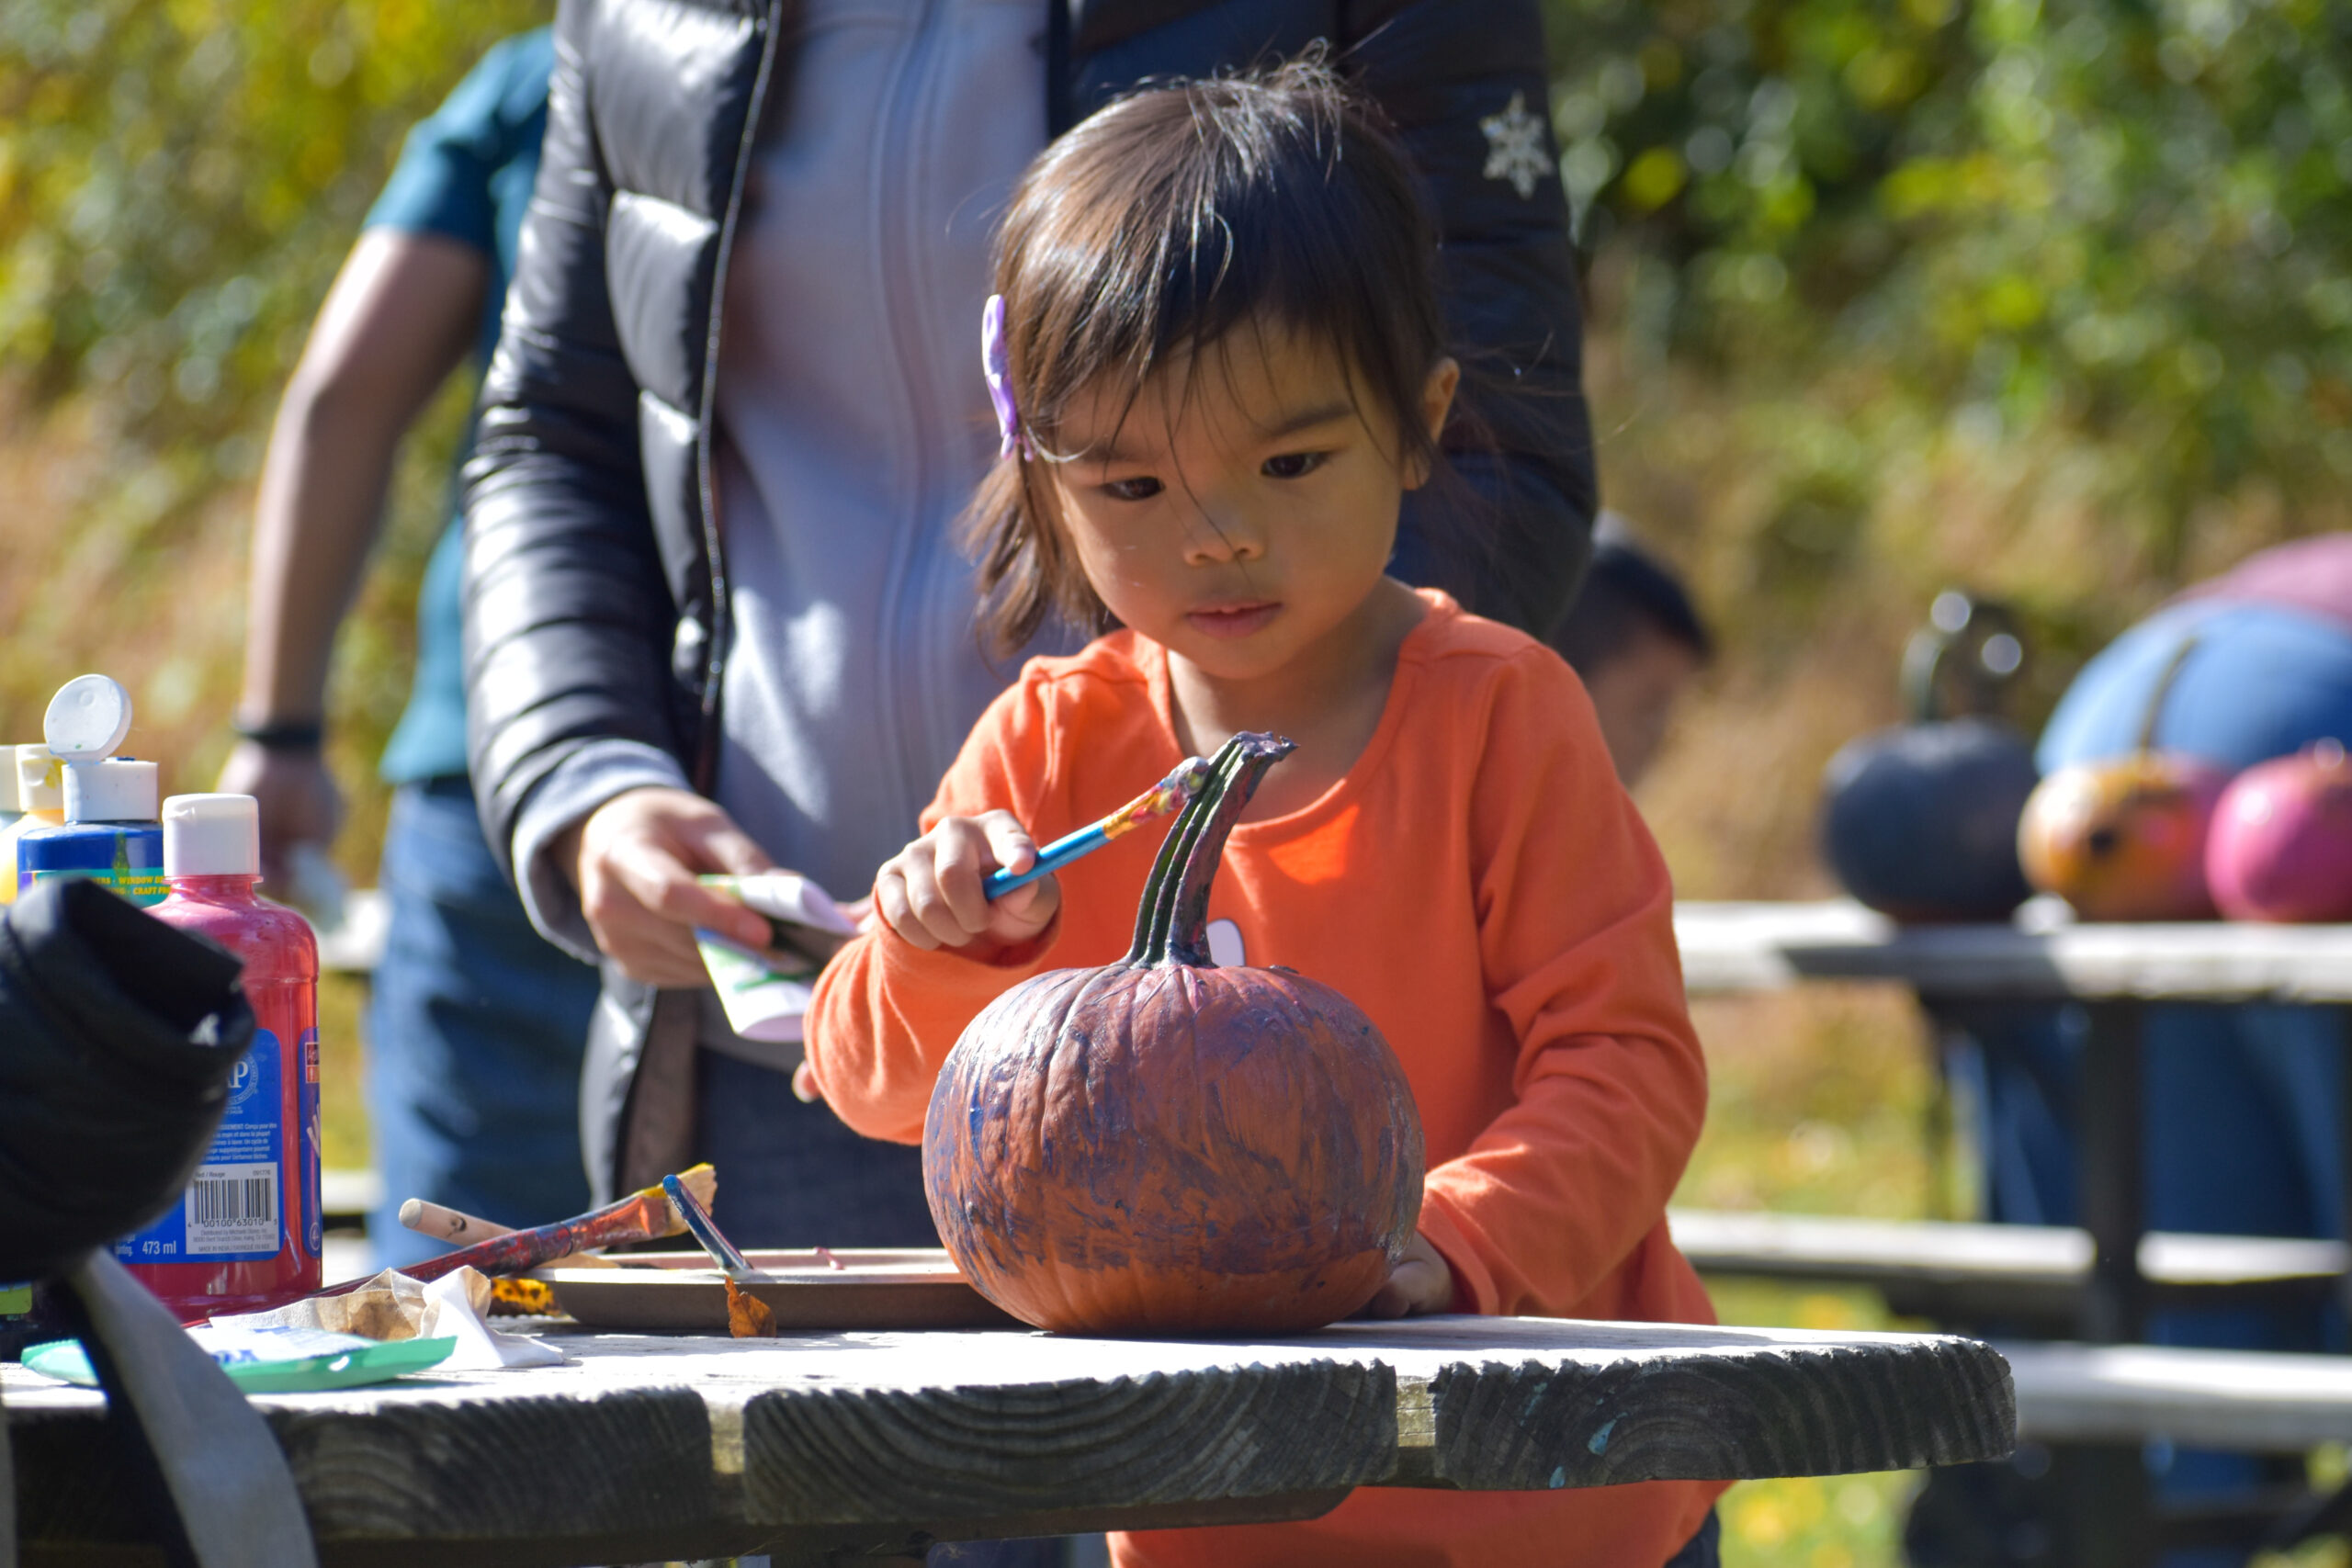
232,1208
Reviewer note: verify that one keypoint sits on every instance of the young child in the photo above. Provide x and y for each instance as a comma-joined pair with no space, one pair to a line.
1221,364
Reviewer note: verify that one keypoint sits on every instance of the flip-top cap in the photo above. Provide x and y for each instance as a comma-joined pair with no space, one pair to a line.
40,777
87,719
112,789
211,835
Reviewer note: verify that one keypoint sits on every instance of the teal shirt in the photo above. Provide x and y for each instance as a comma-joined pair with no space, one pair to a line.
465,173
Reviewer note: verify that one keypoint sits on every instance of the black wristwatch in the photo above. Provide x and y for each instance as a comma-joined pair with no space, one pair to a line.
284,734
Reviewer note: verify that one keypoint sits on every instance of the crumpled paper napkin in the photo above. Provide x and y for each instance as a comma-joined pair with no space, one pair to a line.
393,1306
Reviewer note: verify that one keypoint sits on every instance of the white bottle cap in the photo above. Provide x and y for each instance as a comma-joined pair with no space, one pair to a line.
40,779
212,835
111,789
11,797
88,718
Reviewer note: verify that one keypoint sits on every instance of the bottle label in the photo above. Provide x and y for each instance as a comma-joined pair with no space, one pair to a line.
314,1227
129,861
233,1209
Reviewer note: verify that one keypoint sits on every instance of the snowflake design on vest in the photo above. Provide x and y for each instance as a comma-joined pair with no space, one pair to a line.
1515,147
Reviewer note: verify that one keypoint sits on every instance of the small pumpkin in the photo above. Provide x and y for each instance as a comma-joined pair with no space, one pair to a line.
1920,821
2123,839
1163,1145
2281,844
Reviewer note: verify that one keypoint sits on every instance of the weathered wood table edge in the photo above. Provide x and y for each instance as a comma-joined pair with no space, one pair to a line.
651,1446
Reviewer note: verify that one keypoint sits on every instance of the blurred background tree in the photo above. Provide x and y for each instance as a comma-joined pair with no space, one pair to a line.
2052,298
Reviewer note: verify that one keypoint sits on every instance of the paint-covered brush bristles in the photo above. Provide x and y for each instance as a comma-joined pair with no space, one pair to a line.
1169,794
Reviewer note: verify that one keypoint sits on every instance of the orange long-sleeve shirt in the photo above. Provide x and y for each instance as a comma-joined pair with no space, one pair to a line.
1481,888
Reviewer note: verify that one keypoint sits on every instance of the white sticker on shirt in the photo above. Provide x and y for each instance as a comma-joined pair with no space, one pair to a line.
1225,945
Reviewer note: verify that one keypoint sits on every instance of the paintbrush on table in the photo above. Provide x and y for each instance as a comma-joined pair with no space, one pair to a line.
642,1216
748,1317
1171,794
445,1223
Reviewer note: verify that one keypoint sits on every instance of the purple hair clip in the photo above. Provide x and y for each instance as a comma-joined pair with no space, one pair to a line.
997,365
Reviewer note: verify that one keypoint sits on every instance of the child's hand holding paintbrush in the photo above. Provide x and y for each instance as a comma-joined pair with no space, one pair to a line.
941,891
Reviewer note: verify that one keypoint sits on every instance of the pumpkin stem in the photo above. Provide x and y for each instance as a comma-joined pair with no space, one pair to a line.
1171,924
2171,673
1151,909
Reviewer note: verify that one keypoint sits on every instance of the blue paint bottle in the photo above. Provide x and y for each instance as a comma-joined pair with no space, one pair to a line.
110,831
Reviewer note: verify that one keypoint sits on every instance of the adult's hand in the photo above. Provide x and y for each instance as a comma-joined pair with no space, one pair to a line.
298,801
634,861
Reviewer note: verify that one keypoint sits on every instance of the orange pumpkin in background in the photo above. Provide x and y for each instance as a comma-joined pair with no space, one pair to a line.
1162,1146
2124,839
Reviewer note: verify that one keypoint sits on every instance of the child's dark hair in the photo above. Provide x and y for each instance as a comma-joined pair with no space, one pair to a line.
1158,225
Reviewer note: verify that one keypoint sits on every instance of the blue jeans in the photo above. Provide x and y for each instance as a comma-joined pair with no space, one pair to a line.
474,1034
791,1175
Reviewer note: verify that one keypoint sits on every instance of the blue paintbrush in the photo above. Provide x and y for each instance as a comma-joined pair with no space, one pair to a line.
1169,794
706,1231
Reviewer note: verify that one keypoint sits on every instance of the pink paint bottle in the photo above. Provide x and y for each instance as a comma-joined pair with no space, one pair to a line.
247,1233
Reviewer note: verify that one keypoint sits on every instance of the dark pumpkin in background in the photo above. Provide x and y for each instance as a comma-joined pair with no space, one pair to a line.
1164,1146
1920,822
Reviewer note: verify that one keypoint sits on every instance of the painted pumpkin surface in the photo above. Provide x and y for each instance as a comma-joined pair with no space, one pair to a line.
1921,822
2124,839
2281,844
1166,1146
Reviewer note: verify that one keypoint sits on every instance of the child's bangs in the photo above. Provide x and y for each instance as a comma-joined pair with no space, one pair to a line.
1245,212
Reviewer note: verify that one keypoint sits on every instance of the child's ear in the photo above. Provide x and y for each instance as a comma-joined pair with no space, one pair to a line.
1437,402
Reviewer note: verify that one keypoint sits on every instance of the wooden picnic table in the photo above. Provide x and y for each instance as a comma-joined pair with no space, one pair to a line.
648,1446
2039,957
2114,971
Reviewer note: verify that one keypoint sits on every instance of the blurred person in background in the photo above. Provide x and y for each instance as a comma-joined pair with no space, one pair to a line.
1634,639
476,1024
2244,1118
2243,1102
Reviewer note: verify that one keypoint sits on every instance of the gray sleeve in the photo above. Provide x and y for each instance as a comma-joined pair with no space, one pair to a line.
592,774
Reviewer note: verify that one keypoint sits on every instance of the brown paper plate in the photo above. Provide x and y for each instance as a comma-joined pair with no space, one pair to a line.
912,1288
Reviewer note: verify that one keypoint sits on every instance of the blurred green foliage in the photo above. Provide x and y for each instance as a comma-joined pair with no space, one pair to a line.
2125,224
180,178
